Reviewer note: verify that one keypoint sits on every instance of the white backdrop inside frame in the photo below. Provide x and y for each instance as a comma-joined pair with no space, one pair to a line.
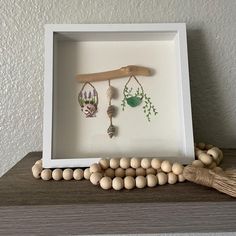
77,137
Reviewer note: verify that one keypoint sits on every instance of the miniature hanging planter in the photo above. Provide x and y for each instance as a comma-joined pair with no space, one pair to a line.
88,100
136,98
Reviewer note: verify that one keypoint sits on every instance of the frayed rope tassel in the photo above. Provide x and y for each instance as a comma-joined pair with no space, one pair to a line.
223,181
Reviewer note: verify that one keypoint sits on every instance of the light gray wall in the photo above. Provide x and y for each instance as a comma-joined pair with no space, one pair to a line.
212,57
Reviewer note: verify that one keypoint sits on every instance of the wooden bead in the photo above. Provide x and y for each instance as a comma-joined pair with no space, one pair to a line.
156,163
181,178
130,172
119,172
111,92
117,183
106,182
146,163
109,173
114,163
78,174
166,166
39,162
215,153
151,171
212,165
140,181
67,174
162,178
208,146
87,173
129,182
37,167
135,162
201,146
140,171
124,163
95,178
198,152
177,168
218,169
172,178
95,168
36,171
197,163
57,174
205,159
104,163
46,174
151,180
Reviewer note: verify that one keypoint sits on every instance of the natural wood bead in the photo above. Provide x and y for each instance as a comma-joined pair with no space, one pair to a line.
119,172
109,173
166,166
218,169
156,163
151,180
114,163
216,154
104,163
146,163
212,165
135,162
201,146
151,171
197,163
140,171
198,152
208,146
106,182
177,168
78,174
37,167
95,168
87,173
39,162
67,174
205,159
95,178
117,183
111,92
36,171
140,181
124,163
172,178
130,172
46,174
129,182
181,178
162,178
57,174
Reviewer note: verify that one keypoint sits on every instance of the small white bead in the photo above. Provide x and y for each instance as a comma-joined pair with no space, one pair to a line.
166,166
130,172
151,171
106,182
109,173
151,180
172,178
78,174
104,163
124,163
114,163
205,159
156,163
57,174
46,174
146,163
162,178
39,162
197,163
177,168
95,168
36,171
119,172
67,174
117,183
140,171
181,178
129,182
95,178
135,162
140,181
87,173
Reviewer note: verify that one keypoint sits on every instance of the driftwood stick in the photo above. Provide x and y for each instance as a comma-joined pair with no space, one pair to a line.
114,74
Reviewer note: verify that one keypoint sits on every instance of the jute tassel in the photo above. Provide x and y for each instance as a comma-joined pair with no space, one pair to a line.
223,181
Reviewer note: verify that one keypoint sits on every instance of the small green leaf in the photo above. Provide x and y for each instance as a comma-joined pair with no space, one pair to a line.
133,101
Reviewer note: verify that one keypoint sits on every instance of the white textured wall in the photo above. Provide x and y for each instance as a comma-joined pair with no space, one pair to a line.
212,57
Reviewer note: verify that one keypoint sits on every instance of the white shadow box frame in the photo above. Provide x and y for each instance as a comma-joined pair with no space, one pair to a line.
70,139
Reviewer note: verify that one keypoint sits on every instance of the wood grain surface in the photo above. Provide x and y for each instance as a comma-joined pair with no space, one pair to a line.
29,206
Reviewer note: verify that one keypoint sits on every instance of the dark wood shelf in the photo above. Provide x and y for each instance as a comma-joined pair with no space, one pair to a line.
30,206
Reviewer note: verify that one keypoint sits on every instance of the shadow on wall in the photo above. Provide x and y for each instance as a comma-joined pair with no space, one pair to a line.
206,94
